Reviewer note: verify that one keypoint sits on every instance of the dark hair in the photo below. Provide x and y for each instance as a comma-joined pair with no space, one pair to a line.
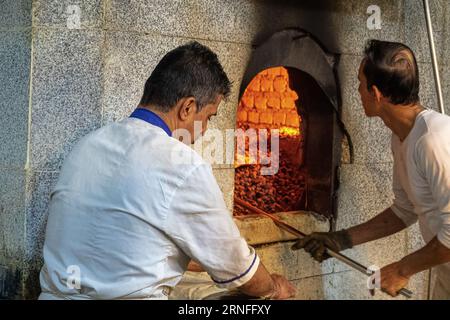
189,70
392,68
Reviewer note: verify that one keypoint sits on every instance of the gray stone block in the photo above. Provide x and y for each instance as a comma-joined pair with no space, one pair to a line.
349,20
446,38
427,93
310,288
15,14
212,20
341,25
419,284
358,281
12,216
237,20
416,35
131,58
56,13
248,22
366,191
176,18
379,144
39,186
347,72
371,141
67,93
414,239
253,21
335,286
10,283
225,180
15,55
353,39
350,286
445,83
280,258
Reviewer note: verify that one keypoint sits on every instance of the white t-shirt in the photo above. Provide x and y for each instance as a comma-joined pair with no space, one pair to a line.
421,181
131,207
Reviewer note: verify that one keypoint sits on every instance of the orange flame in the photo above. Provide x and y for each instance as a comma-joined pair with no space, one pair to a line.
289,131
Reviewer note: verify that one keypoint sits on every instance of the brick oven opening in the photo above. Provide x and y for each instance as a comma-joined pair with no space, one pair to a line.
269,102
290,85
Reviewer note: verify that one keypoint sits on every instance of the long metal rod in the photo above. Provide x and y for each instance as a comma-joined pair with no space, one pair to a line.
283,225
437,80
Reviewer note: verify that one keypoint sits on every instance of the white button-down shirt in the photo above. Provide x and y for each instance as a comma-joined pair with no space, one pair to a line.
131,207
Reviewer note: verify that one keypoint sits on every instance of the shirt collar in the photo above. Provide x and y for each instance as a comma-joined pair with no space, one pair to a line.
152,118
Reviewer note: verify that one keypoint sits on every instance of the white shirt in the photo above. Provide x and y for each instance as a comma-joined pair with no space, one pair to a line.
130,215
421,181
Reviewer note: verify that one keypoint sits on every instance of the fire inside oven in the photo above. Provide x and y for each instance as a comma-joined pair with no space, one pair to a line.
269,104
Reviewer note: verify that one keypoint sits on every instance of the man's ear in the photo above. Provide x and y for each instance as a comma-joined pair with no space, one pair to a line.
377,94
187,108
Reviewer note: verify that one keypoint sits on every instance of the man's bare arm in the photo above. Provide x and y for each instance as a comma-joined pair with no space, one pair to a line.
433,254
383,225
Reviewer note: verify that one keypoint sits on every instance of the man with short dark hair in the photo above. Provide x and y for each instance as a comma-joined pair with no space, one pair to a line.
389,89
133,205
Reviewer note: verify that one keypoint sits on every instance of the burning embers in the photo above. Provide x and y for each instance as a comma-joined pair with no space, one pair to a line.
281,192
268,106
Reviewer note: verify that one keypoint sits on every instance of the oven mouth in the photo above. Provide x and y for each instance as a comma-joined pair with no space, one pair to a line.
290,86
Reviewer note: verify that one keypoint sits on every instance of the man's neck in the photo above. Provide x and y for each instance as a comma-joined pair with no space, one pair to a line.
167,117
400,119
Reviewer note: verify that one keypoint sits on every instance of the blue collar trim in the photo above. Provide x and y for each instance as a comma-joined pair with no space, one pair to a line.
152,118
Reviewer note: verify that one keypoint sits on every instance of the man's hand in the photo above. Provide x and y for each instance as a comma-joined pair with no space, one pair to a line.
268,286
317,243
392,279
283,289
194,267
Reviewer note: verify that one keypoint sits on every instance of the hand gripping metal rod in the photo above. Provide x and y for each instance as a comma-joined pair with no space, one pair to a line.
283,225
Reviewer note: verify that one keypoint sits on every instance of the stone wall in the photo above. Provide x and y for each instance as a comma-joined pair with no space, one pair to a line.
15,69
59,83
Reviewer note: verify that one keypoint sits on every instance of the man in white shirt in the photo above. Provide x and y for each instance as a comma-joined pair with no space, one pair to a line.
389,88
133,205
